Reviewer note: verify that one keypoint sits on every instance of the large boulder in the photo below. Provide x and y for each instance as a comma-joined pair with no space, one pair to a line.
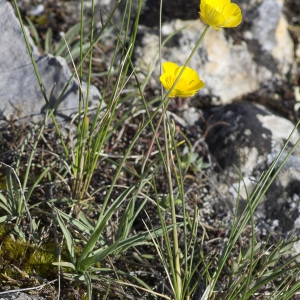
20,93
244,139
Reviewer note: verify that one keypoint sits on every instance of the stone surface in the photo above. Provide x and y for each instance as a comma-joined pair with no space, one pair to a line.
19,296
20,93
246,126
232,63
250,137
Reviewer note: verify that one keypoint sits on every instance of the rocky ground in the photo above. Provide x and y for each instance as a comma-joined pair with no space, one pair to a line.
279,96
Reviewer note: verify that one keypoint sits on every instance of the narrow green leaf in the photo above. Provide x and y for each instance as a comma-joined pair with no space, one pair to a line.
98,256
69,36
3,219
102,223
34,32
75,52
68,237
81,226
6,207
142,238
3,199
48,41
64,264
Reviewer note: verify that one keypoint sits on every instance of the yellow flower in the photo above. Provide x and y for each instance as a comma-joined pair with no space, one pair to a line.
187,85
220,13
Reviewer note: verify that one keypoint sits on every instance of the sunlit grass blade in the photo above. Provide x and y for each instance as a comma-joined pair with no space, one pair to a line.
69,36
5,205
48,41
76,223
34,32
69,239
89,247
254,199
97,256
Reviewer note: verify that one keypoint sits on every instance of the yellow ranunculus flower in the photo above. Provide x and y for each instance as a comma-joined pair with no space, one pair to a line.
220,13
187,85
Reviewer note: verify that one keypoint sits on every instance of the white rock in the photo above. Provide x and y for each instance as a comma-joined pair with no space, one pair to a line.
20,93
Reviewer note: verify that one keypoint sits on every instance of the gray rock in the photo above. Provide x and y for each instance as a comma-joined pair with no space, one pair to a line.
264,27
20,93
19,296
247,134
250,137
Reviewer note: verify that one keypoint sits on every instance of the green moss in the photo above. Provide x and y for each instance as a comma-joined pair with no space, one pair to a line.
29,258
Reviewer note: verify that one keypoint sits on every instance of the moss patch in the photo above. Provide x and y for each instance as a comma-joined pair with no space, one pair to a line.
18,257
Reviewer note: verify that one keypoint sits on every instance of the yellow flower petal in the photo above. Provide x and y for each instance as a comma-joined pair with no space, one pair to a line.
220,13
233,15
169,67
187,85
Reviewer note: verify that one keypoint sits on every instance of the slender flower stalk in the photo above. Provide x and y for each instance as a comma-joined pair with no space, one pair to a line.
178,290
184,82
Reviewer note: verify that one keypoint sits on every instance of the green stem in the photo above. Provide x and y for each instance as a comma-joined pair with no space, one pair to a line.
188,60
177,276
196,47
